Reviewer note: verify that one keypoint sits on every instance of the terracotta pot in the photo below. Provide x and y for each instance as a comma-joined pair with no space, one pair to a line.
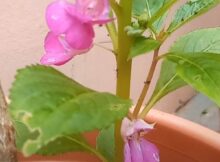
179,140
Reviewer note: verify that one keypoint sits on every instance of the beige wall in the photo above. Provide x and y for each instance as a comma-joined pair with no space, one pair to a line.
21,43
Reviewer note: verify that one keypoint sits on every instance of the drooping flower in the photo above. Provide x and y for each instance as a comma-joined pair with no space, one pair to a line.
138,149
94,11
57,51
71,28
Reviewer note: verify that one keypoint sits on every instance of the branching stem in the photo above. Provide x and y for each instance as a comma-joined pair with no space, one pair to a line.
146,84
115,6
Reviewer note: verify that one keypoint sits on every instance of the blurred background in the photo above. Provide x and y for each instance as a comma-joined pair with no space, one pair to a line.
23,28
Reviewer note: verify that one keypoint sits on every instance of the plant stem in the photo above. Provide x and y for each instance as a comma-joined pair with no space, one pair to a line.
151,103
7,133
113,34
162,37
146,84
89,148
123,69
115,6
124,44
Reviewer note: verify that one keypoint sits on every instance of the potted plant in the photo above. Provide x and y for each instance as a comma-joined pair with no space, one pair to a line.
51,112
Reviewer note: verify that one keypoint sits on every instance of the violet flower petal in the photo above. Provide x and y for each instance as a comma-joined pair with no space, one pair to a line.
141,125
127,128
127,153
136,152
136,126
149,150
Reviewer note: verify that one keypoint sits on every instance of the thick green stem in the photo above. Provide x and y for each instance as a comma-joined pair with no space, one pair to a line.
123,68
124,44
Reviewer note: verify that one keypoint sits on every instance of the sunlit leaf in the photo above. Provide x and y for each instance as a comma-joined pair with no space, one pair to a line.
203,40
190,10
52,105
201,71
143,45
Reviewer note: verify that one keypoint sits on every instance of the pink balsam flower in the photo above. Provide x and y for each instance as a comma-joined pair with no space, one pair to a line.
94,11
138,149
71,28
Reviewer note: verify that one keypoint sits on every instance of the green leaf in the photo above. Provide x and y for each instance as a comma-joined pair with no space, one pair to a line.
140,6
106,144
143,45
53,105
201,71
65,144
59,145
190,10
158,24
167,82
203,40
163,10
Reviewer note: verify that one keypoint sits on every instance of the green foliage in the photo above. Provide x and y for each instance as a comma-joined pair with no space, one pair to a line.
152,8
140,6
190,10
158,24
134,31
200,70
64,144
162,10
167,82
51,111
143,45
105,143
59,145
203,40
53,106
